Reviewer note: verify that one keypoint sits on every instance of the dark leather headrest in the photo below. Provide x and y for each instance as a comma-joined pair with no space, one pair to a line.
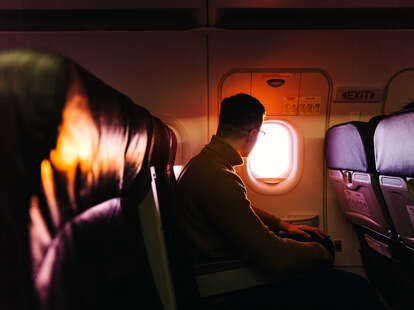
101,147
33,87
349,146
69,142
394,144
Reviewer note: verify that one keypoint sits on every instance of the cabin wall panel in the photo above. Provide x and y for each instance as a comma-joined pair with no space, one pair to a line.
98,4
216,5
164,72
307,4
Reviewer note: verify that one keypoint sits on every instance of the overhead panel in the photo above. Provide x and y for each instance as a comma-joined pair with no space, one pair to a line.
98,4
122,15
305,14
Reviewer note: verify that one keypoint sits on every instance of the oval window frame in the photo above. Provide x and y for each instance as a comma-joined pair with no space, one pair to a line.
296,171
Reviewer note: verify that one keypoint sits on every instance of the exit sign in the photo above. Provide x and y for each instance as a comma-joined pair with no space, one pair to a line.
358,94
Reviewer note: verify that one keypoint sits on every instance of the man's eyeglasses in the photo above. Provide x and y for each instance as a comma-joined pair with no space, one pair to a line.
260,132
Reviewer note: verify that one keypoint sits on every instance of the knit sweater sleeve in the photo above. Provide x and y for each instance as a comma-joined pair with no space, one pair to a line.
273,222
230,210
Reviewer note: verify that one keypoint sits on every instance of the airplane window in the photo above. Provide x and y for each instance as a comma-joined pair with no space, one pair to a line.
271,159
275,163
177,171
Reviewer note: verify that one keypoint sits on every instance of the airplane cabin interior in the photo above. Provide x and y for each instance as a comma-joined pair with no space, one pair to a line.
105,102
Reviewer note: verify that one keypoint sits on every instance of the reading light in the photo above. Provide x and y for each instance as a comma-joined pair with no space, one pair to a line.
275,82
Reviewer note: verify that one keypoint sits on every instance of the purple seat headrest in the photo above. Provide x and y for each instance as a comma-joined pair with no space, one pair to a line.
394,144
349,146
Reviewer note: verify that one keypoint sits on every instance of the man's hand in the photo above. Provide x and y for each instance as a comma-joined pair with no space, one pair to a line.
302,230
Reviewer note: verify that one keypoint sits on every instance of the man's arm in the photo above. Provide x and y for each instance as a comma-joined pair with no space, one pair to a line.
277,224
230,211
302,230
269,219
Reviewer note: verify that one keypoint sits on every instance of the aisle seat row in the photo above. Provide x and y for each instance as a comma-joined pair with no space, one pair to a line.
371,168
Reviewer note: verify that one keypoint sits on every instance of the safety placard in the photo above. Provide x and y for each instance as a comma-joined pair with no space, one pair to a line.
290,105
356,201
410,210
310,105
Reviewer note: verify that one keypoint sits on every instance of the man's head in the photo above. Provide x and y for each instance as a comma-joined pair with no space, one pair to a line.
241,117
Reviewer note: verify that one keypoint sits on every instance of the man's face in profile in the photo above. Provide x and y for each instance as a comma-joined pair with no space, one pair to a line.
251,140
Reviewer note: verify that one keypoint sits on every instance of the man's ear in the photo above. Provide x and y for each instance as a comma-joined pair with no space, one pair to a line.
251,134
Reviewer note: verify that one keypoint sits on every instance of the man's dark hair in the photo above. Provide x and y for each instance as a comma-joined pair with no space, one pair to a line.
239,113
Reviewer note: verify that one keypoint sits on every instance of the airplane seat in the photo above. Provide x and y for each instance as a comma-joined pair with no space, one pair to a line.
351,170
181,284
394,155
162,158
170,266
90,153
32,94
97,262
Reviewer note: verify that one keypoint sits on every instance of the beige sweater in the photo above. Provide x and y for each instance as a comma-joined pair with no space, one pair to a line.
217,220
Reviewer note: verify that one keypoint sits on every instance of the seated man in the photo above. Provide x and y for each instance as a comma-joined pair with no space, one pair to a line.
217,220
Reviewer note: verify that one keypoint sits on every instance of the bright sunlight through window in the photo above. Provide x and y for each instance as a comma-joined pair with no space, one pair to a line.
271,159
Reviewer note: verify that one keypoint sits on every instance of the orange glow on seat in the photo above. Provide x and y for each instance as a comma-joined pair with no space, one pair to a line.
75,146
49,190
74,143
271,159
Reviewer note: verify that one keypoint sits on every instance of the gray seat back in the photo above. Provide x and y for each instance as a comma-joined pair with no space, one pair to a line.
394,156
350,162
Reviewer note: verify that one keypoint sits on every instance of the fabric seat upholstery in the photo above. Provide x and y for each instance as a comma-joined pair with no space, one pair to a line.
394,154
162,159
394,157
352,172
351,168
